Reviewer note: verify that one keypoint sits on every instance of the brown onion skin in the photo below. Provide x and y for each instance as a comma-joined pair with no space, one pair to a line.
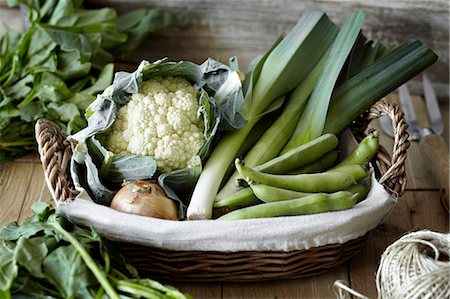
145,198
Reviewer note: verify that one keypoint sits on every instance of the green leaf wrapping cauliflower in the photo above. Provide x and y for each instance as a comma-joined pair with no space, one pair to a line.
162,121
158,122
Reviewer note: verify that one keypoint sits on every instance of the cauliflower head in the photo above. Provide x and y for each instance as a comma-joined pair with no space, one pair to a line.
162,121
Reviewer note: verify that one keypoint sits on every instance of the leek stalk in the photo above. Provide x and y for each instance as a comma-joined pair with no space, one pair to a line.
276,74
275,138
312,121
389,72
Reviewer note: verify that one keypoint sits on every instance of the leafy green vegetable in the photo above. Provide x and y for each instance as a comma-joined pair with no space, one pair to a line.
55,69
48,257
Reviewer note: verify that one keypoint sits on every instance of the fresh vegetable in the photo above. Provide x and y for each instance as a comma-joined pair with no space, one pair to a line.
161,120
268,193
360,190
145,198
167,113
57,66
276,73
242,198
291,160
323,163
387,73
275,138
312,120
300,156
311,204
358,172
316,182
48,257
364,152
357,73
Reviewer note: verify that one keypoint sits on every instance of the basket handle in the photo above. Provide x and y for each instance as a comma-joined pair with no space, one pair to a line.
55,152
391,170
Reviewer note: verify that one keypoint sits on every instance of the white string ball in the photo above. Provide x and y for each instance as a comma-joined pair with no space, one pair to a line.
416,266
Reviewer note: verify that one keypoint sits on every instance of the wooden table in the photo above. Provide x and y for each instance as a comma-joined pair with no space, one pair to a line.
22,183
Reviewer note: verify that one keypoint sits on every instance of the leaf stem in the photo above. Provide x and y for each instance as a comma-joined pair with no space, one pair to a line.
90,263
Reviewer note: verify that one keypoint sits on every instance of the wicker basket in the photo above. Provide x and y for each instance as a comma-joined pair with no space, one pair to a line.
201,266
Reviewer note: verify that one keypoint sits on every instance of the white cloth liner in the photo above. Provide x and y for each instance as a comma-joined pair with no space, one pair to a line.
267,234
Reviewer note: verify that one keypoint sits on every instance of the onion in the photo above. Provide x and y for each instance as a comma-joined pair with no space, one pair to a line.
144,198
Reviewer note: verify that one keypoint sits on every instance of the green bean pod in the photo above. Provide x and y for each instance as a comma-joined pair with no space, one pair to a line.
323,163
357,171
316,182
360,191
311,204
364,151
271,194
300,155
241,198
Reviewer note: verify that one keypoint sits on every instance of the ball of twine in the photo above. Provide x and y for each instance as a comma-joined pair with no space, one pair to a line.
416,266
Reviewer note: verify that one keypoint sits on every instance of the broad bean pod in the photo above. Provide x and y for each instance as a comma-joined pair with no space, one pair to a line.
360,191
301,155
323,163
241,198
316,182
271,194
311,204
364,151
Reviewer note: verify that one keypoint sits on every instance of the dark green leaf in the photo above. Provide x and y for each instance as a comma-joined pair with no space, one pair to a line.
66,111
180,182
138,24
71,66
70,40
27,287
65,268
30,253
81,99
12,231
104,80
8,266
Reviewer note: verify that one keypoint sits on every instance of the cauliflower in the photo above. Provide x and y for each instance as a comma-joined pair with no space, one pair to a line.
161,120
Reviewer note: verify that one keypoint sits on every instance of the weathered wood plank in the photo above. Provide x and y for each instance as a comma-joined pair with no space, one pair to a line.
320,286
416,210
222,29
29,158
37,191
200,290
14,185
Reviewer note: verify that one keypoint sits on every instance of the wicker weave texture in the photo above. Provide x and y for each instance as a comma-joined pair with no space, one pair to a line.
204,266
55,152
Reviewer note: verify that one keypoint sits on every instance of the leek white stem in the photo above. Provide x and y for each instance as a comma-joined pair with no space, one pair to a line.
202,199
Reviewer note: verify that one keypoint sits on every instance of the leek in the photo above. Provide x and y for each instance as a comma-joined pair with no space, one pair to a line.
312,121
276,74
387,73
275,138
